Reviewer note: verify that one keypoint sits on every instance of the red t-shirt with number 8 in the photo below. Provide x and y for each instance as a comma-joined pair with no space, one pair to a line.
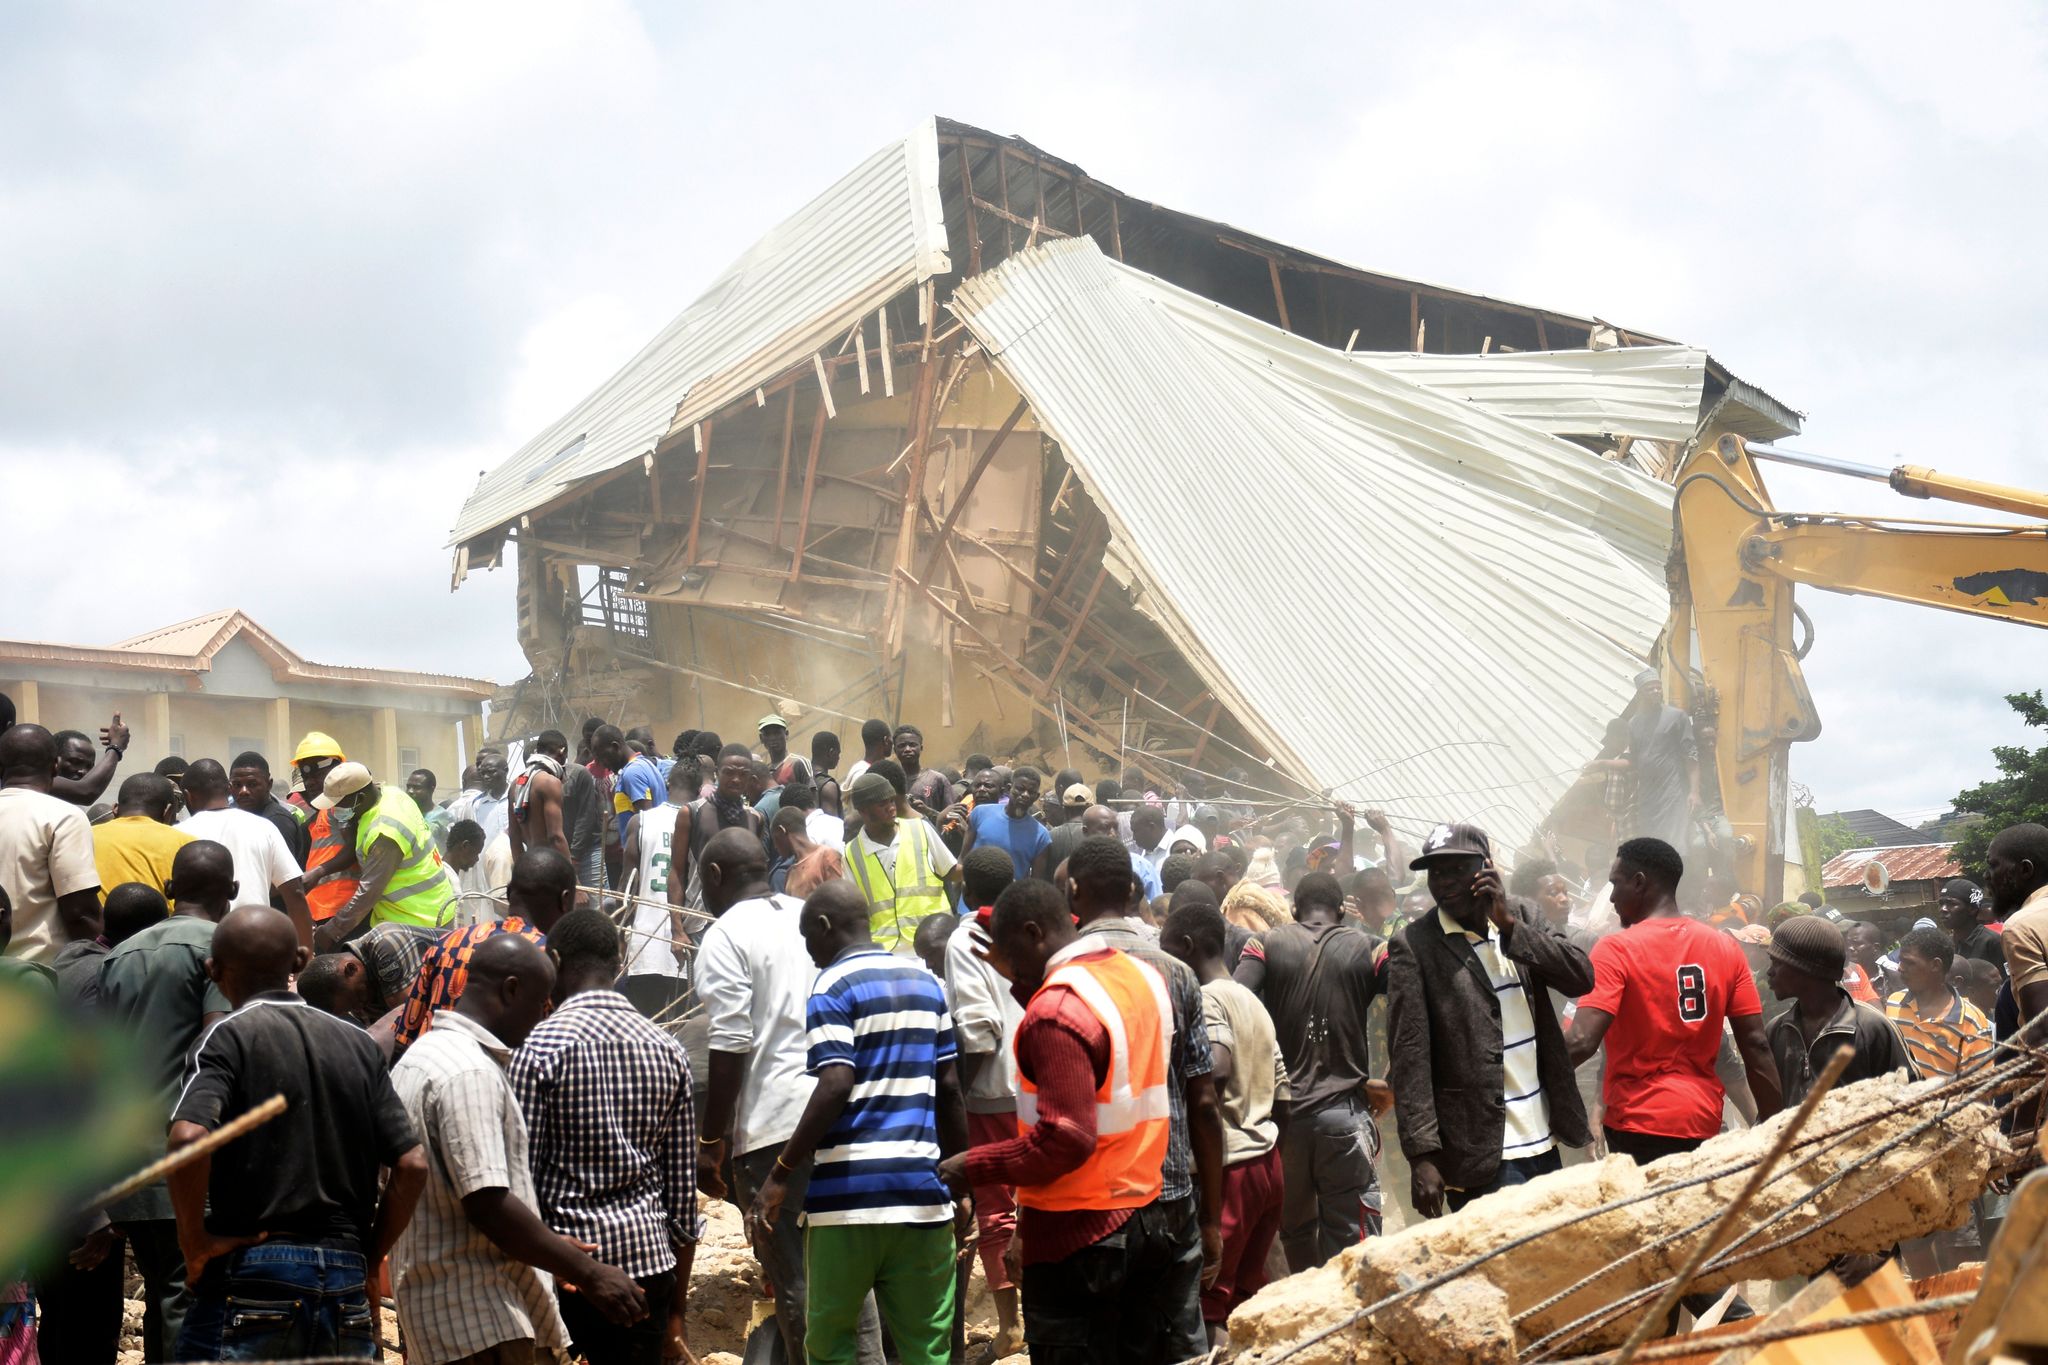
1668,983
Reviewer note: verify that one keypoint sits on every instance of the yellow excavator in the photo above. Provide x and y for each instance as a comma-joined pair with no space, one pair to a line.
1731,650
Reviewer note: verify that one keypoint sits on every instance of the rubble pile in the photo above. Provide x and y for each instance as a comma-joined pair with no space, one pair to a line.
1610,1253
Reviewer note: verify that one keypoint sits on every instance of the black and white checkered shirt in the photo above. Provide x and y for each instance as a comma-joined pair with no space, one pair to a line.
608,1102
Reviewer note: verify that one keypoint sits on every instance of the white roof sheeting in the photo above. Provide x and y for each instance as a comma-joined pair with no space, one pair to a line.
876,232
1410,600
1653,392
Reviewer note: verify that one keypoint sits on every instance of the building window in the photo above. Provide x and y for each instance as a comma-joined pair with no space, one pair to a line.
242,744
606,603
177,746
409,761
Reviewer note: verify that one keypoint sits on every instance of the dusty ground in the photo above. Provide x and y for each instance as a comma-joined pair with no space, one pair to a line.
726,1298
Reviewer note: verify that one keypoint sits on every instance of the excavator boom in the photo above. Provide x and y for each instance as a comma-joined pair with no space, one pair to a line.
1735,562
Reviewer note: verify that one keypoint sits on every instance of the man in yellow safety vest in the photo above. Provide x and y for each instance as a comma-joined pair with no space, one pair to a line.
899,863
402,879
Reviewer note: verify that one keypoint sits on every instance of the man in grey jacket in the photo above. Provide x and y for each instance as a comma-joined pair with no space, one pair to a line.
1483,1088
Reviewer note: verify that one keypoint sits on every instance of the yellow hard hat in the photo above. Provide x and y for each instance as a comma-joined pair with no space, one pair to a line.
317,745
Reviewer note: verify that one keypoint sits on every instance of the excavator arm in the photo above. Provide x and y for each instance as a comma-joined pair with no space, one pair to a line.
1730,652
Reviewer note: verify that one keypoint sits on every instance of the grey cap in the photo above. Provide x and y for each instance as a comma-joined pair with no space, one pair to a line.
1808,943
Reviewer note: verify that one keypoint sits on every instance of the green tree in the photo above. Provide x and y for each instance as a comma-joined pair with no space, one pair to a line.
1821,837
2019,794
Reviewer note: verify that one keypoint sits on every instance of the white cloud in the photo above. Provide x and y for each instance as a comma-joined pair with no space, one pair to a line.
284,277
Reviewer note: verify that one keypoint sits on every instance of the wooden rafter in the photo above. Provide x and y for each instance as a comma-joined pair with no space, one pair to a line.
980,467
1080,619
703,468
803,515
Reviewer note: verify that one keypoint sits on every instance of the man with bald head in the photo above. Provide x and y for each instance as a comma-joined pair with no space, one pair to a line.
294,1214
886,1108
754,978
155,988
542,890
464,1296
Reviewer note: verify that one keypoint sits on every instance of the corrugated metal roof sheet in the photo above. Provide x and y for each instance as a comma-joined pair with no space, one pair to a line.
1909,863
876,232
1648,391
1407,598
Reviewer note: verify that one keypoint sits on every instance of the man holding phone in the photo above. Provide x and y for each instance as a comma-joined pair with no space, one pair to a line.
1483,1086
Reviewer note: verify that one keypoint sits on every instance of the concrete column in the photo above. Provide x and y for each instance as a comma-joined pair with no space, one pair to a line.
469,737
384,741
281,741
28,704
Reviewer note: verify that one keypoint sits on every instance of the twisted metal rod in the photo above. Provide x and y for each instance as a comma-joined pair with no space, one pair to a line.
1822,1143
1731,1256
1999,1071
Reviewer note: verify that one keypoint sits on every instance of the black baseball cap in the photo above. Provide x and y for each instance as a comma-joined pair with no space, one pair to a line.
1452,841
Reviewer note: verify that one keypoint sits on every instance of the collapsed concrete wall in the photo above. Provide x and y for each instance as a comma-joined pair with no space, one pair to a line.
1884,1182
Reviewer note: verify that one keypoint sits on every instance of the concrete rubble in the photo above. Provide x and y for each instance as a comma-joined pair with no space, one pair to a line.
1471,1318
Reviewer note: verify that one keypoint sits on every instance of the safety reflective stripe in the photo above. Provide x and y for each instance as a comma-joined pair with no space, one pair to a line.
888,912
1123,1110
916,833
420,890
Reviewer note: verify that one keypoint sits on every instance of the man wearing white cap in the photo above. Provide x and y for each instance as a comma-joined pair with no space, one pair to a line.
403,881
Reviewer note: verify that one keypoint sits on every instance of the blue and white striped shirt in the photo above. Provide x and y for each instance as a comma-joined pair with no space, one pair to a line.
886,1018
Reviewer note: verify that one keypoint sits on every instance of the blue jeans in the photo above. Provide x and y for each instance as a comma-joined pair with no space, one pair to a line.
1520,1171
281,1301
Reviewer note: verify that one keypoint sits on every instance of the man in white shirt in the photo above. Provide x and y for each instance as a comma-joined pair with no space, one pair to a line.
754,977
486,803
654,979
1148,835
985,1018
265,871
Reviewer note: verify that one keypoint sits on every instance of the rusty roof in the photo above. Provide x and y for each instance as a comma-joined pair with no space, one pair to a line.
1907,863
189,647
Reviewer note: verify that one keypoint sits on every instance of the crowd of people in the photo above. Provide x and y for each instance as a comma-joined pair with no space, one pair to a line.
1135,1050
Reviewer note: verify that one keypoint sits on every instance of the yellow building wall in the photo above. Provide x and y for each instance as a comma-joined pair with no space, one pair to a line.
205,726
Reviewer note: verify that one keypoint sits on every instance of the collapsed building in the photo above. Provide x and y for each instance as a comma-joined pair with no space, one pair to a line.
977,440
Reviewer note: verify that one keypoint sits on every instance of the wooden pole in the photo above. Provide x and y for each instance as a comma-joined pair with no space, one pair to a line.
803,515
981,464
703,468
1414,320
782,479
1279,294
1074,631
967,203
190,1152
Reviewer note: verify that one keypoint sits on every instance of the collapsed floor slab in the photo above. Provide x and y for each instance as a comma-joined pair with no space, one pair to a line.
1878,1162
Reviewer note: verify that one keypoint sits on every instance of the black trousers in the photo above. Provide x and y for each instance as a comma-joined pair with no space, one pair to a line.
1123,1300
1643,1148
603,1343
81,1312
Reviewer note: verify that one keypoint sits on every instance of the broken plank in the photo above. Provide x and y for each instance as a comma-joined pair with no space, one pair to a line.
697,508
824,384
1080,617
981,464
803,516
782,479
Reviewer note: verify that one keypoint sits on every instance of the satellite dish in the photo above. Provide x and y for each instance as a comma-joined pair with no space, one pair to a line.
1877,879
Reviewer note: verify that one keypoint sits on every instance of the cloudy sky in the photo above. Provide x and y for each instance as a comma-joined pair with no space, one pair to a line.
280,280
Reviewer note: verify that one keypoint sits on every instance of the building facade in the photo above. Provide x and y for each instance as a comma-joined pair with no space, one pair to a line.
220,685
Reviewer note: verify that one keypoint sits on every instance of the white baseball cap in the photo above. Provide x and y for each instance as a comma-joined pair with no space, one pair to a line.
343,781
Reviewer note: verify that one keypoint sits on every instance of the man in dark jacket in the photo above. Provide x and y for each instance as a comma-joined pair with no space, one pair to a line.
1483,1088
1808,957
